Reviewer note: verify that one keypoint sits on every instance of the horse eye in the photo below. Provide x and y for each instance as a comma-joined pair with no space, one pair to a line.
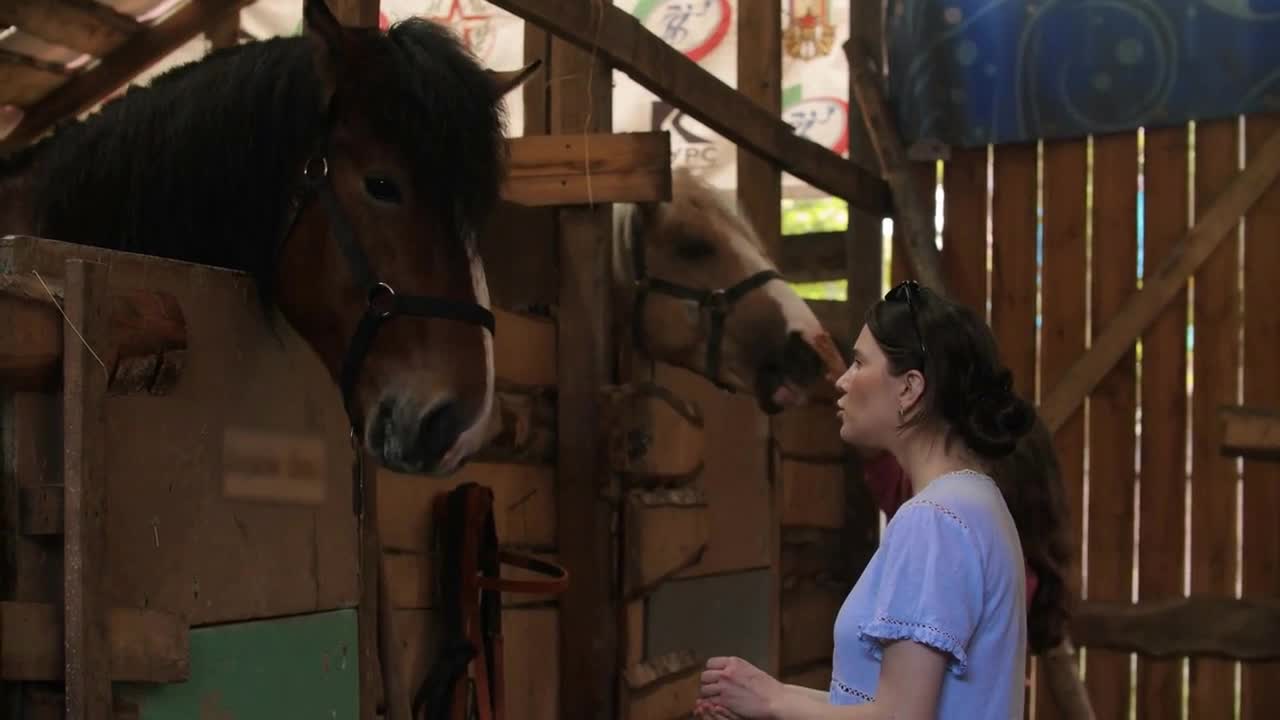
382,189
694,250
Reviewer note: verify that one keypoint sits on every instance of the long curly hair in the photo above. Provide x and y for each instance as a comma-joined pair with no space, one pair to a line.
1031,481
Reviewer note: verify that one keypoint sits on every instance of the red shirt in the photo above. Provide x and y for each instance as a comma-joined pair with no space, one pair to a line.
891,487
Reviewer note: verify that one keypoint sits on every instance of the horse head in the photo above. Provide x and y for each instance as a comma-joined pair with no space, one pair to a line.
379,269
703,294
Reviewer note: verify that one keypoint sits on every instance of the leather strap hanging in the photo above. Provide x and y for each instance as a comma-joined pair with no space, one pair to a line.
469,589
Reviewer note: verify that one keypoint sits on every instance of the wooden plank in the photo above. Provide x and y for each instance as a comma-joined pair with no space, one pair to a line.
1065,309
1250,432
814,554
1202,626
663,688
174,542
812,494
814,257
87,649
736,482
1162,486
620,40
577,169
1013,263
817,676
667,531
590,632
654,436
1260,534
524,350
144,49
1111,408
147,332
142,645
302,666
964,227
88,27
530,637
809,432
913,223
1224,209
41,510
524,504
808,613
24,82
1216,360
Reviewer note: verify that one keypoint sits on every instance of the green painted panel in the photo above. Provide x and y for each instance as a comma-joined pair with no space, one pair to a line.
305,666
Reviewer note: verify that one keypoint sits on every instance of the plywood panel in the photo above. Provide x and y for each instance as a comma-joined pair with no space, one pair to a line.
175,541
302,666
808,616
719,615
812,494
1162,485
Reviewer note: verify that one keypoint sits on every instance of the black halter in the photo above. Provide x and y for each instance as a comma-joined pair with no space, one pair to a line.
718,302
383,302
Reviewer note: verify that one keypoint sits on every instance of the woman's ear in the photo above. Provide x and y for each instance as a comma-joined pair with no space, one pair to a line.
910,391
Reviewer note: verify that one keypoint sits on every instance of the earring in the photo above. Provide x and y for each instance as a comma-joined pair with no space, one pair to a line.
901,411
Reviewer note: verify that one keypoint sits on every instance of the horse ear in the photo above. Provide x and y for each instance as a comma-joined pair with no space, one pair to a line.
504,81
329,37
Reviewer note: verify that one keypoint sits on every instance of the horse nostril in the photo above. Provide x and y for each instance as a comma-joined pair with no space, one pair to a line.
799,360
438,432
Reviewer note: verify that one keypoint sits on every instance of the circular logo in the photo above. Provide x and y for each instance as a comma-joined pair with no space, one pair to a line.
694,27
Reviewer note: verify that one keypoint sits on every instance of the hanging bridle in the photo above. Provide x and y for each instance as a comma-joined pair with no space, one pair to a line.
383,302
718,302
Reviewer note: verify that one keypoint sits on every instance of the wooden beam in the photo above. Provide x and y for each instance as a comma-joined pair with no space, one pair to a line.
918,237
1245,629
1159,287
82,25
143,50
585,169
86,639
144,351
614,36
144,645
817,257
667,531
1247,432
654,437
585,489
24,81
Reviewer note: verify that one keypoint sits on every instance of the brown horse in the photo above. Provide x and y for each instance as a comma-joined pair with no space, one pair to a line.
699,291
348,171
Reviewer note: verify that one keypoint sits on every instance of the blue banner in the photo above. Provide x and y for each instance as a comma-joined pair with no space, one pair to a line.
970,72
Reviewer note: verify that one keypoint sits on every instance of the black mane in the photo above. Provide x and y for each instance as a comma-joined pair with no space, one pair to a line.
201,165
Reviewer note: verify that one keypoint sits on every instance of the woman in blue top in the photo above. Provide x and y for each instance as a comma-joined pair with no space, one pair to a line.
936,625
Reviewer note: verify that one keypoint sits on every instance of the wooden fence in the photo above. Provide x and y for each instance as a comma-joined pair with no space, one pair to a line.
1053,238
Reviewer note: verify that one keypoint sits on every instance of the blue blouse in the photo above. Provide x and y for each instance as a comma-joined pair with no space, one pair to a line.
949,573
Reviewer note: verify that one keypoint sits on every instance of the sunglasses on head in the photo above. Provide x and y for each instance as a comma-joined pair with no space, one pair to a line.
908,291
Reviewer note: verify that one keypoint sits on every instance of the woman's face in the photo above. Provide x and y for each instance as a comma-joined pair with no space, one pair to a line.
868,405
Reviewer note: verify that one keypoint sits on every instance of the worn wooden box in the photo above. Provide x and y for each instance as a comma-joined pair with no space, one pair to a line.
227,499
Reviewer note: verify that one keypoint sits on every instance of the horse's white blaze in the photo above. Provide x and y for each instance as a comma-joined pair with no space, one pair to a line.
476,435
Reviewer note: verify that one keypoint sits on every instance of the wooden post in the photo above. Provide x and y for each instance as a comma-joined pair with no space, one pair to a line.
587,501
87,653
760,193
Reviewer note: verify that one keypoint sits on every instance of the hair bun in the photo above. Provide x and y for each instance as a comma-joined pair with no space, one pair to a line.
997,418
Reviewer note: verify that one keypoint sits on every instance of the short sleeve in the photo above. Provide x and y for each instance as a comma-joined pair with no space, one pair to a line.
930,584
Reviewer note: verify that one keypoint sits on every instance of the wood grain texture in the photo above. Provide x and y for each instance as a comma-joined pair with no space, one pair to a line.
1210,627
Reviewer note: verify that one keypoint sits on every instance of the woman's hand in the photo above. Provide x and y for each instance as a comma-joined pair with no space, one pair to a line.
742,689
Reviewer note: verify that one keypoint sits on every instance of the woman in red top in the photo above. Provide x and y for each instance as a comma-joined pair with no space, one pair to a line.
1031,484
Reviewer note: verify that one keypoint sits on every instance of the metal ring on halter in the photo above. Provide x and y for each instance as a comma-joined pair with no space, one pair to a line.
717,300
378,292
324,168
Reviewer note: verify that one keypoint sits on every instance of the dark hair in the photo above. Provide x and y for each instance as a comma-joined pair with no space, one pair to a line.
1031,482
965,384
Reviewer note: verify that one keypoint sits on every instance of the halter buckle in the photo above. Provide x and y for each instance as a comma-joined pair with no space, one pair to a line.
382,300
717,301
309,170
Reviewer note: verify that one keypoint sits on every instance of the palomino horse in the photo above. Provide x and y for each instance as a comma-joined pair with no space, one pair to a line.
348,171
700,292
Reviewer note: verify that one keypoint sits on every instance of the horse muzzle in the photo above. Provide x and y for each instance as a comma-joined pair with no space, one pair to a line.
409,439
